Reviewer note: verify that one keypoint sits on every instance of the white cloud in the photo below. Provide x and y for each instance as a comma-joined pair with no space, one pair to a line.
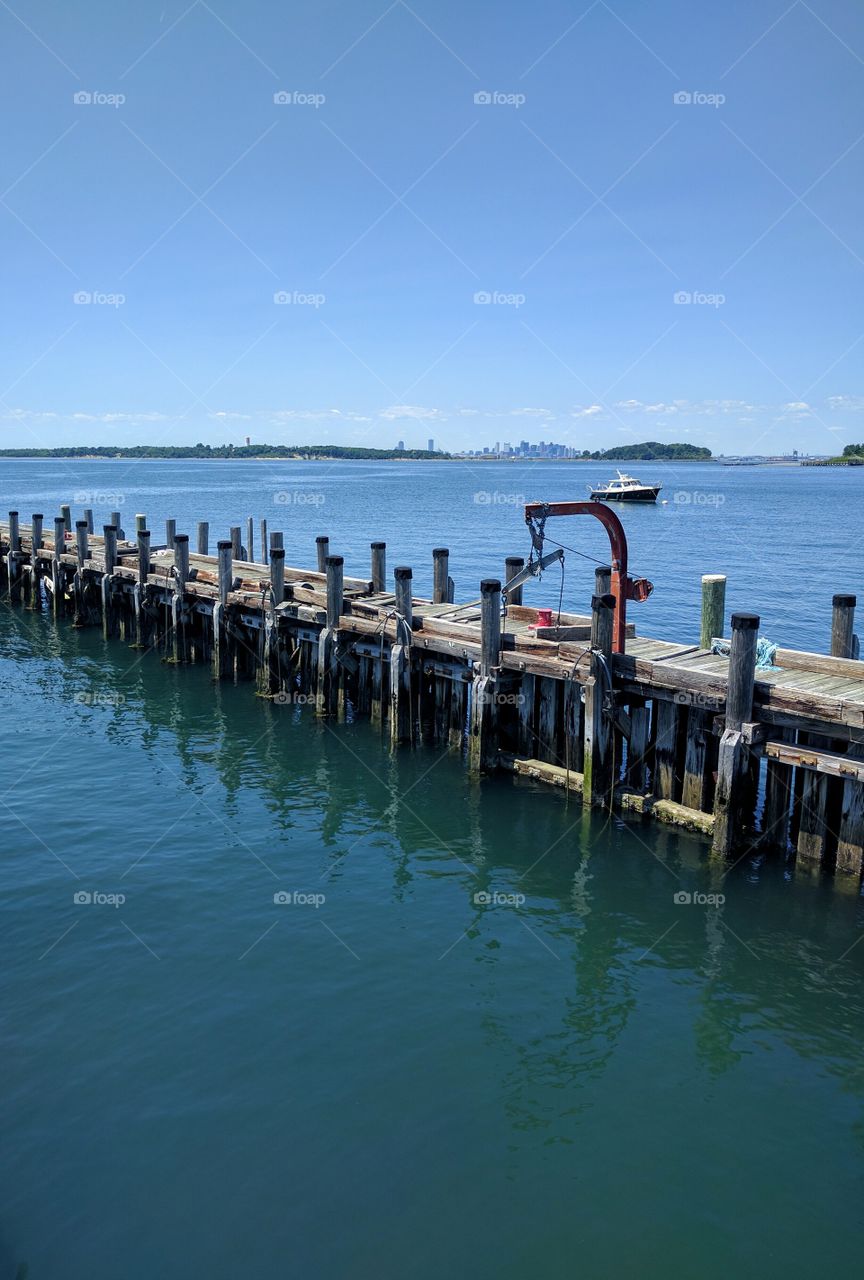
531,413
587,411
415,411
853,403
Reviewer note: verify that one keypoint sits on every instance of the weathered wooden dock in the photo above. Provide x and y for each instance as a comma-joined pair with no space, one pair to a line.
754,759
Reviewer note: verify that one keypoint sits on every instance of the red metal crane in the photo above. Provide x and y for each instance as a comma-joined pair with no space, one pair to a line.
623,587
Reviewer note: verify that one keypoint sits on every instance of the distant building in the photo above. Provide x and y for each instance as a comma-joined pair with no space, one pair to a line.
430,445
248,439
400,444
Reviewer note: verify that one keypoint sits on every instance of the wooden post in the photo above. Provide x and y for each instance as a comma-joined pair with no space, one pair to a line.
512,566
327,695
322,544
440,574
850,837
713,608
483,726
203,537
379,566
223,658
14,558
335,592
170,533
66,513
250,539
263,533
34,598
598,766
277,573
490,625
733,762
637,746
843,626
236,544
277,540
140,523
402,576
81,542
778,799
181,577
143,623
88,516
109,613
603,580
58,577
114,519
181,557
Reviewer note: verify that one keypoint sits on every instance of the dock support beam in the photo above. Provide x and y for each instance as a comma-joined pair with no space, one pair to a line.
598,768
734,759
483,726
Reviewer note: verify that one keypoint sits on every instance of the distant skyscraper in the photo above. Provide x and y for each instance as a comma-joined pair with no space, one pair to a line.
248,439
400,444
430,445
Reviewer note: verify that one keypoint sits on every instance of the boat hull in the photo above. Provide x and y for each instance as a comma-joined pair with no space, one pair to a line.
641,495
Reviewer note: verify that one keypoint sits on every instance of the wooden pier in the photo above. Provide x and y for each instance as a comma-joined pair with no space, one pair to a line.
753,759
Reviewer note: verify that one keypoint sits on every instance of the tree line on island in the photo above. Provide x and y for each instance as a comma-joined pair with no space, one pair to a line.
649,451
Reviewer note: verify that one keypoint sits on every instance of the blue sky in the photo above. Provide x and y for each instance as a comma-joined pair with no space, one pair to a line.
590,223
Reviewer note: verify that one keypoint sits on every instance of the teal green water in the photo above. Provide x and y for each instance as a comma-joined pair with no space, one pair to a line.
579,1076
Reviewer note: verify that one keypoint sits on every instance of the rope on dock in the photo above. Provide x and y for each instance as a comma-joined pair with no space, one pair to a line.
766,652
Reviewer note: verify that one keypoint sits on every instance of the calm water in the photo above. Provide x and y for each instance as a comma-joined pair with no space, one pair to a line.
387,1076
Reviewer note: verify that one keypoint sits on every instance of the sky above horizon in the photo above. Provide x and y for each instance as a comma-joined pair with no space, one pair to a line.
590,223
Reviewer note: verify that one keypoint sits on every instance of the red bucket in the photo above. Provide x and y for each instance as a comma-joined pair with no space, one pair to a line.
544,617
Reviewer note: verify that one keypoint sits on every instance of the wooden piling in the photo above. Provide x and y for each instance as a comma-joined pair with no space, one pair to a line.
598,767
402,576
223,652
263,535
483,728
81,542
512,566
843,626
203,537
66,513
327,694
277,540
602,580
110,626
114,519
13,560
170,533
88,516
277,573
322,547
140,594
140,523
379,566
440,574
713,608
734,756
82,551
34,589
236,543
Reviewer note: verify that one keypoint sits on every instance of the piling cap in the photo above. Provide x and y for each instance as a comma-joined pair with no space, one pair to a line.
403,571
322,537
378,546
277,553
844,602
606,601
109,528
79,524
335,561
745,621
37,515
181,537
13,513
490,585
143,533
224,543
440,551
